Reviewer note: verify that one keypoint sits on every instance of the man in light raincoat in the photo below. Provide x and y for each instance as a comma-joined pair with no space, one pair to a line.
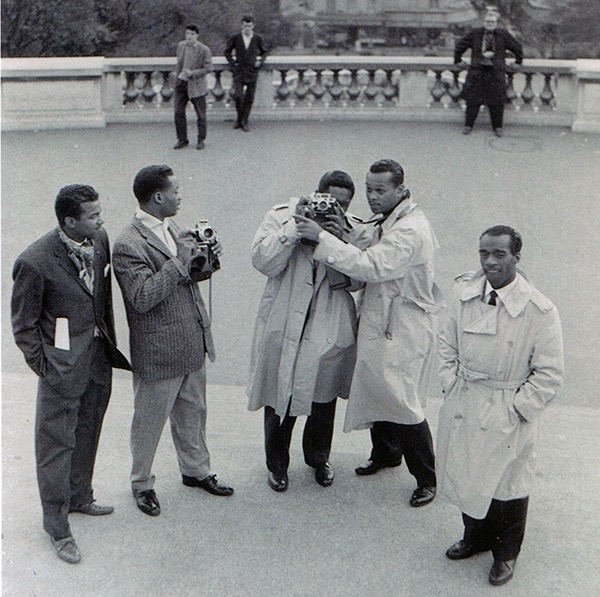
502,363
304,344
398,324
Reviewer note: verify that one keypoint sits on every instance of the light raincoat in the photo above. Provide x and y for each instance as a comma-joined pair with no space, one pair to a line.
304,344
398,317
495,359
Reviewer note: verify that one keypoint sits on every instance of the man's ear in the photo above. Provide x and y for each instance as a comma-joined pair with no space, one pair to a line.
518,257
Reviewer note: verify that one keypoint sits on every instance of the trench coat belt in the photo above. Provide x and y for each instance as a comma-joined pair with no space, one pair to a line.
485,380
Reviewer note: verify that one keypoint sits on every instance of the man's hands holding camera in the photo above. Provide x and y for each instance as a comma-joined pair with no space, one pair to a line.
309,223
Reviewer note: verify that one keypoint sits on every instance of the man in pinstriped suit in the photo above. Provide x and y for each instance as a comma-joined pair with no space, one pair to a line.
169,336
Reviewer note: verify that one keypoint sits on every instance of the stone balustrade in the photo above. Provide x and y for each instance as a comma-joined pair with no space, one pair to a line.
73,92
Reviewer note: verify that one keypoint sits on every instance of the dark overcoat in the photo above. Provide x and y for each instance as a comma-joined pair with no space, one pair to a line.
487,83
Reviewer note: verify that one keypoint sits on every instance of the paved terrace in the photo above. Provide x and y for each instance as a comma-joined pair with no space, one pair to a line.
359,536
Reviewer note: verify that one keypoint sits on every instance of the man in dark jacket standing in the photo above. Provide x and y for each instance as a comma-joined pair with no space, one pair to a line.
486,78
62,319
245,53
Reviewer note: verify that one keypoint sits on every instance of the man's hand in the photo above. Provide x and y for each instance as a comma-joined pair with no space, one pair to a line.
186,237
335,222
306,227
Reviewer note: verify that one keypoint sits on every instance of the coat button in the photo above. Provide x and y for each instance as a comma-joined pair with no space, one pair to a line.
330,259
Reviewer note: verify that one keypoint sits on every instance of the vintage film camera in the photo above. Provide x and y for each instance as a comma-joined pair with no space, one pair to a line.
205,262
322,205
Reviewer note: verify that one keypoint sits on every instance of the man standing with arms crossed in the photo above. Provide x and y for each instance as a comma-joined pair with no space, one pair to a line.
194,62
502,363
62,320
169,335
397,329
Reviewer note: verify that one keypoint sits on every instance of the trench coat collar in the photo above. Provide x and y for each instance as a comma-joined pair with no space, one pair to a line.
400,211
515,302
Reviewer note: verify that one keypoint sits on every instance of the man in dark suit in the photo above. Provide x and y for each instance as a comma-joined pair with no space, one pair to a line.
194,62
62,320
246,53
169,335
486,77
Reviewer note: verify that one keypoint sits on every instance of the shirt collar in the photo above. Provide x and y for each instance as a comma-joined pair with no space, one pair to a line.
149,220
501,293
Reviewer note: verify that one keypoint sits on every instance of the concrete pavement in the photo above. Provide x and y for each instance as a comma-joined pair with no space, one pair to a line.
357,537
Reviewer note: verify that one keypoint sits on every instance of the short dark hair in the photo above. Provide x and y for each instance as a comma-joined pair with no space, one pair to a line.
247,19
192,28
389,166
150,180
336,178
69,199
516,242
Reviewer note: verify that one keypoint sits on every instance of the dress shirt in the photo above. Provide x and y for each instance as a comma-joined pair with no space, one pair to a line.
247,39
159,227
501,293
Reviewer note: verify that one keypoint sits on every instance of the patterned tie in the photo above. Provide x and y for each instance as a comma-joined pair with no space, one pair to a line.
493,296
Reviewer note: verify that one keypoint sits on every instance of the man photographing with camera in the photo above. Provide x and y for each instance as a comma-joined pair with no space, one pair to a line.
304,343
396,335
156,265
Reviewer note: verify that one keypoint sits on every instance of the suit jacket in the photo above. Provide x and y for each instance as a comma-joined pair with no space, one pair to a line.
169,326
47,286
201,66
487,83
242,60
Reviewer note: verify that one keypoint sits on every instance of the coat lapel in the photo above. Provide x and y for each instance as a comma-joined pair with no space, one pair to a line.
62,255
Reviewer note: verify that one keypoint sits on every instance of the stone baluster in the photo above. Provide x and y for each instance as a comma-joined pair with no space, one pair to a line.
371,90
353,90
217,91
283,91
148,92
390,90
511,94
438,90
166,91
130,92
547,95
317,88
454,90
528,95
302,88
336,90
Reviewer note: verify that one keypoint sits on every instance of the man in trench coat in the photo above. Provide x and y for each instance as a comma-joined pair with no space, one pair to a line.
501,364
304,344
486,77
398,326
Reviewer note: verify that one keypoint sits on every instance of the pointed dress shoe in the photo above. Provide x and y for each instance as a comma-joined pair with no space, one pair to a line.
245,127
499,132
461,550
210,484
502,572
92,509
277,483
467,130
422,496
200,144
324,474
66,549
147,502
370,467
181,144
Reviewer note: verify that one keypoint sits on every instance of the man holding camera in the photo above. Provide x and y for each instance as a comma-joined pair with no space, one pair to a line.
397,331
169,327
304,344
486,77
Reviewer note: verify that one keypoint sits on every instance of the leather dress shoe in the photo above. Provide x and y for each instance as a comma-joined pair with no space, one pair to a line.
237,125
181,144
467,130
461,550
92,509
277,483
200,145
370,467
210,484
499,132
502,572
245,127
422,496
66,549
324,474
147,502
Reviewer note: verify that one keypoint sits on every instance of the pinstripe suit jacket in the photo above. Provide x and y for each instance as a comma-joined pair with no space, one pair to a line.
169,327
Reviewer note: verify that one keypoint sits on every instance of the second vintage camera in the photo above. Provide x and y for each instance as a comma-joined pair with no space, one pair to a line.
205,262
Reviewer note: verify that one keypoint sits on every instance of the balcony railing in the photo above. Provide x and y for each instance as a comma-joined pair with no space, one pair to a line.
52,93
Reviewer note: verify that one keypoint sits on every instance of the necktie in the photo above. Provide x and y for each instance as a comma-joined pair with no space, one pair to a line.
493,296
488,42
